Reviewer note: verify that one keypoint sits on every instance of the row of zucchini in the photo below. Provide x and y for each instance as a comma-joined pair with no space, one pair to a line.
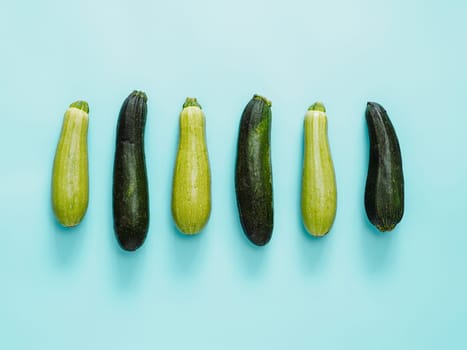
191,191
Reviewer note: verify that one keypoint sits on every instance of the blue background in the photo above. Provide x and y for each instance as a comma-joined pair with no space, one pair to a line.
354,289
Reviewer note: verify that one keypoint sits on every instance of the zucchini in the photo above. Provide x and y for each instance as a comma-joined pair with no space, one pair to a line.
384,191
191,190
70,178
130,183
319,194
253,171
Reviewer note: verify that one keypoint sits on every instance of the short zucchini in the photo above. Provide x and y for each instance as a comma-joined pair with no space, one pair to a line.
319,194
384,191
191,191
70,178
130,183
253,171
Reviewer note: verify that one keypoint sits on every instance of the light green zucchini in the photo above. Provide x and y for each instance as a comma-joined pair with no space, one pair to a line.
319,194
70,178
191,192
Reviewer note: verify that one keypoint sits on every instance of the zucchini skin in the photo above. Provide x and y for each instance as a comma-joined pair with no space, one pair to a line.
70,175
384,191
319,192
191,189
130,184
253,172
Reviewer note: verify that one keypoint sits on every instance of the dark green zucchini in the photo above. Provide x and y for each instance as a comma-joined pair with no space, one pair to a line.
130,183
253,173
384,192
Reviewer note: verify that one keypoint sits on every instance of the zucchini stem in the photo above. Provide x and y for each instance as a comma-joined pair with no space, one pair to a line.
317,106
262,98
140,94
82,105
191,102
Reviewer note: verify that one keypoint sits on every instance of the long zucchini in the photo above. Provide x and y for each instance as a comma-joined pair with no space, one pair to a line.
384,191
130,183
70,178
191,192
253,171
319,193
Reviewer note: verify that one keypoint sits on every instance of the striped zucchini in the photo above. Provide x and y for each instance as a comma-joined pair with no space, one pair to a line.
191,191
319,194
70,178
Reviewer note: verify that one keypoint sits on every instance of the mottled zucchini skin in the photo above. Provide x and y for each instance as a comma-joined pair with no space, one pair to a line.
130,183
253,171
384,191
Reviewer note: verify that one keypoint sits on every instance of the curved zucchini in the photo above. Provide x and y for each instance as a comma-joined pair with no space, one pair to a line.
191,191
70,178
130,183
384,192
253,171
319,194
